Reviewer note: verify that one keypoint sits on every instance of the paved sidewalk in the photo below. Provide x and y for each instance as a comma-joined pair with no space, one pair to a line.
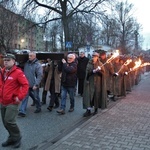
125,126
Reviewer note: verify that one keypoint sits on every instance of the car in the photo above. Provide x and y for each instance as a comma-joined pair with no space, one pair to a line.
14,51
23,51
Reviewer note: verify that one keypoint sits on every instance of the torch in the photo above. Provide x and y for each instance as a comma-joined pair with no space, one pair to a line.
125,64
137,65
112,57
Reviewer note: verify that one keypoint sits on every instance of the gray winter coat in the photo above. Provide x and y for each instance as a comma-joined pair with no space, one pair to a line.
34,72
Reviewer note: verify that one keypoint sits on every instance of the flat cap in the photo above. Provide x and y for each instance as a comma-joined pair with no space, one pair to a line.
10,56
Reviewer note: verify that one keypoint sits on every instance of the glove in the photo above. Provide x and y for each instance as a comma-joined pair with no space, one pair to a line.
94,71
115,74
97,69
126,73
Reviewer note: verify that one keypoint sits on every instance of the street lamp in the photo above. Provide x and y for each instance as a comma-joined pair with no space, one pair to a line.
22,41
136,40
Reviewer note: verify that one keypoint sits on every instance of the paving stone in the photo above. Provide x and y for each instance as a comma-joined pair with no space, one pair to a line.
126,126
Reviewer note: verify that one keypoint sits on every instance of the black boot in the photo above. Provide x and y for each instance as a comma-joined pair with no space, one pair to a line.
113,98
7,143
87,113
95,111
17,143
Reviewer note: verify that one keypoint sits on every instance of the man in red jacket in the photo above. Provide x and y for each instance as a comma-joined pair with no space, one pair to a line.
13,88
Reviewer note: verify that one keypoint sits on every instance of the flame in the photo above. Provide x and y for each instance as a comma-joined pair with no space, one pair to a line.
113,56
137,64
116,53
127,62
145,64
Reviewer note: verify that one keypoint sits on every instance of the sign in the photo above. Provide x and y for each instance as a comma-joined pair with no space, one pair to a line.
88,48
68,44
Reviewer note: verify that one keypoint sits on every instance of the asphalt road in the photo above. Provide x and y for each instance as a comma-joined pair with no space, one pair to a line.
38,129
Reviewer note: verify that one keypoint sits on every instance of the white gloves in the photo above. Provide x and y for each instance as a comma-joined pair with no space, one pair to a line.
97,69
115,74
126,73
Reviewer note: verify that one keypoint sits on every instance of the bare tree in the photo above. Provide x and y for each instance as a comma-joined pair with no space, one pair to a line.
119,28
127,25
64,10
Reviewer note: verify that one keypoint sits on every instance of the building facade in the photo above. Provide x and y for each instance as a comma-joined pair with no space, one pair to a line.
19,33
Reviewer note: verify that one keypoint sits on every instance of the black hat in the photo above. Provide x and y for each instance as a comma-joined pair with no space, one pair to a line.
10,56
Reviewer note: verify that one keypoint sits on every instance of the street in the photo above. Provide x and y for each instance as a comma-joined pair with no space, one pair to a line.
123,126
36,129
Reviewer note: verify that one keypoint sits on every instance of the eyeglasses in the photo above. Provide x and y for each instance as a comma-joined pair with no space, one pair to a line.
6,59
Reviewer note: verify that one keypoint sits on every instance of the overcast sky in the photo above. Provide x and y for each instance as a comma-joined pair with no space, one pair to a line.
142,13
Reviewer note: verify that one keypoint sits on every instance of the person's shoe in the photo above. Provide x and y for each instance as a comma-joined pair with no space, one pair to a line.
21,114
95,111
71,110
87,113
113,98
61,111
7,143
50,108
17,143
37,110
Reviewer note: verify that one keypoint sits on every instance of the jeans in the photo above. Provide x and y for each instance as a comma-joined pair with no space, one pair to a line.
9,114
64,91
34,94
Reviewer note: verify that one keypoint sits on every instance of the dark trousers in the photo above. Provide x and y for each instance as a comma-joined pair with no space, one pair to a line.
44,95
54,96
80,86
9,114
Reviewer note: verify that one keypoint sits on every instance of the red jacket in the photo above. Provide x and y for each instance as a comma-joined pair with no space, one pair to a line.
13,84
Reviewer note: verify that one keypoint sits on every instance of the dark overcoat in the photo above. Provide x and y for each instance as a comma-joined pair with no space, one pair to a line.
81,67
109,71
95,87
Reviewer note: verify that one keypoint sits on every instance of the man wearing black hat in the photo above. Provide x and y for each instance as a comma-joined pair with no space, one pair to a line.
13,88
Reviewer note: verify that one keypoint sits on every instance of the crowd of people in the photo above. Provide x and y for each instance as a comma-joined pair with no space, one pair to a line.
97,80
